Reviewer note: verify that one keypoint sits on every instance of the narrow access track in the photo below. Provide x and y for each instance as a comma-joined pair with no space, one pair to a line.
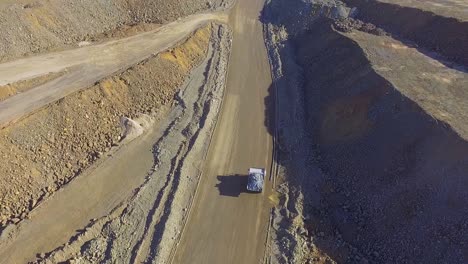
226,224
84,66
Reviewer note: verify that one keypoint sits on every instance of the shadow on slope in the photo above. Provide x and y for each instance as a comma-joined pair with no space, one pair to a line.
385,181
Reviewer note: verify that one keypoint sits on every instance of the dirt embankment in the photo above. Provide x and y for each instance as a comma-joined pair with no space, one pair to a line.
46,150
30,27
374,157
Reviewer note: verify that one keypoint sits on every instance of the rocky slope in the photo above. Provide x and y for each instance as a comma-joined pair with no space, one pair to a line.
373,158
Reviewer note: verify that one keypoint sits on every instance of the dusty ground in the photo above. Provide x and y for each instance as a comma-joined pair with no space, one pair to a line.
62,146
35,26
375,155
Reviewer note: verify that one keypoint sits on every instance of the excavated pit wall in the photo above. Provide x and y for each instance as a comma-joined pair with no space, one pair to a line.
354,153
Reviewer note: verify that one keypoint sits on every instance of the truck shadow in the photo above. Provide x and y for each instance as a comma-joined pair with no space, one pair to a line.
232,185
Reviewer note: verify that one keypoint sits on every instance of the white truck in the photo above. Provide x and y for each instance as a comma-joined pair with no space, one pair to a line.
256,179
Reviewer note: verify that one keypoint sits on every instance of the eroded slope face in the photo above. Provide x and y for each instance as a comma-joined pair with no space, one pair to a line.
376,152
392,170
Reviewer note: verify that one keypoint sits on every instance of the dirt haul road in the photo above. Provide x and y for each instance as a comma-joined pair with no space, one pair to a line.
86,65
226,224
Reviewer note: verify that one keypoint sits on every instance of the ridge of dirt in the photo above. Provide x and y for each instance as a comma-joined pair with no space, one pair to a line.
70,135
372,142
37,26
146,227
